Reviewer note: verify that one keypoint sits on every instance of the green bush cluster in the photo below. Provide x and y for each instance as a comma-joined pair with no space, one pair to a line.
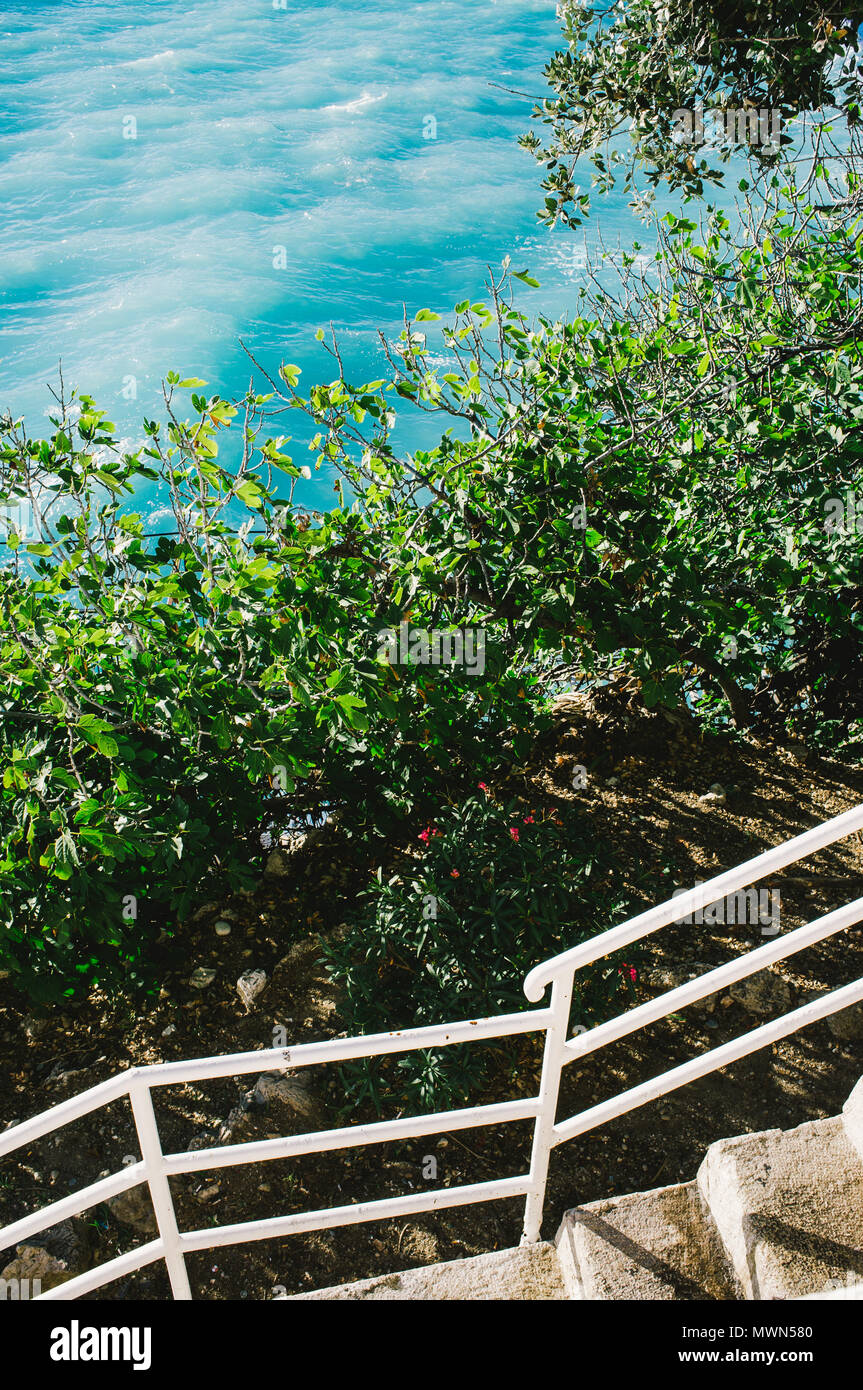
486,892
641,492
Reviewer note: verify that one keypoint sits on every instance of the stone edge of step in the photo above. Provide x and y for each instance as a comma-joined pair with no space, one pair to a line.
418,1283
702,1226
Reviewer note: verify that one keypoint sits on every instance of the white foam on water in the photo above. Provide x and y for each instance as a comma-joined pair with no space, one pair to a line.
255,130
155,58
367,99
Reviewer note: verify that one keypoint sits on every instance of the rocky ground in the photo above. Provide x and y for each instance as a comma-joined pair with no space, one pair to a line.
248,974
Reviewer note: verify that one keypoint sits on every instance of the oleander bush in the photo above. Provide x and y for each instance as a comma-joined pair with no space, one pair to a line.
489,890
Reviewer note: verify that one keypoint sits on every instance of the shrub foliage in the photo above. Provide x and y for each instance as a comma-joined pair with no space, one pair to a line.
660,489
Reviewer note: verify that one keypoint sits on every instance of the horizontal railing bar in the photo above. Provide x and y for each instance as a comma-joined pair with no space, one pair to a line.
73,1204
345,1049
351,1137
106,1273
65,1112
434,1036
354,1214
713,980
709,1061
703,893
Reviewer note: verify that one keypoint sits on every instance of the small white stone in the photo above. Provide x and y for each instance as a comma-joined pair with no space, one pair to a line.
223,928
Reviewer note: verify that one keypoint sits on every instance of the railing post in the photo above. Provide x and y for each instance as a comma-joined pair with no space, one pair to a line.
549,1089
160,1191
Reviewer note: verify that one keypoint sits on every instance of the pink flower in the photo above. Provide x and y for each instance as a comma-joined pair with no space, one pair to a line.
529,820
482,786
513,832
424,835
630,970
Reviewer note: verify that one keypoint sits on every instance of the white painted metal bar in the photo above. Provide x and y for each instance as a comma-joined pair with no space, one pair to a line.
709,1061
351,1137
64,1113
346,1049
354,1214
104,1274
160,1191
552,1064
73,1204
733,970
156,1168
711,891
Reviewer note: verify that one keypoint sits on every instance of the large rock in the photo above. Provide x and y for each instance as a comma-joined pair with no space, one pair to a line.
236,1126
250,984
290,1090
763,993
69,1242
847,1025
669,977
282,860
134,1208
33,1263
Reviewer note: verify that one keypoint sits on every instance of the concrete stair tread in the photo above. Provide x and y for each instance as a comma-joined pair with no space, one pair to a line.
789,1208
773,1215
645,1245
525,1272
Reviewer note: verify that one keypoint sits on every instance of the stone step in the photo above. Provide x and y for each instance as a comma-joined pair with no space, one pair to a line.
647,1245
526,1272
852,1118
789,1208
851,1291
775,1215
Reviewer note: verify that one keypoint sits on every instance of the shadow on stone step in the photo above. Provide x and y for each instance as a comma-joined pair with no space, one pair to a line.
830,1261
679,1285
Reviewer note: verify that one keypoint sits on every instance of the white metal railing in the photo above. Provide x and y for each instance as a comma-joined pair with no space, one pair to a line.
156,1167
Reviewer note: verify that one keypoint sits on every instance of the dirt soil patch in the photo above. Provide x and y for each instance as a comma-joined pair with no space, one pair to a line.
645,778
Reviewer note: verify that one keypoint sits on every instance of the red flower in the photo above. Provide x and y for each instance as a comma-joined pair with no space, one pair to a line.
482,786
630,970
513,832
454,873
424,834
529,820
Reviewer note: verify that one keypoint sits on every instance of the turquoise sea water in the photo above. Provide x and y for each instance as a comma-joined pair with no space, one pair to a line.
176,174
